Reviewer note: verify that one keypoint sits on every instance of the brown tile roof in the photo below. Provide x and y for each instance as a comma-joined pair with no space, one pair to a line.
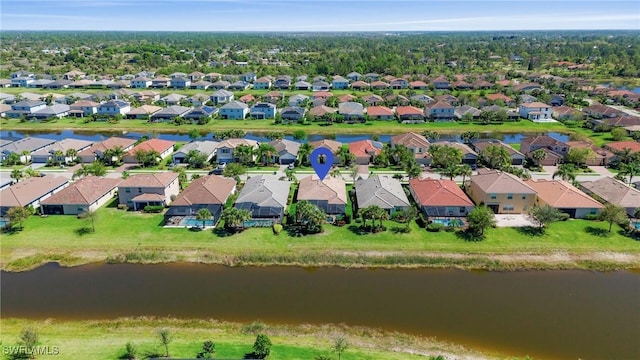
498,182
364,148
483,144
29,190
148,197
346,98
418,84
85,191
623,121
561,194
211,189
410,140
440,105
327,143
613,192
542,140
379,111
432,192
359,84
322,94
408,110
535,104
110,143
158,145
233,143
156,180
498,96
620,146
331,189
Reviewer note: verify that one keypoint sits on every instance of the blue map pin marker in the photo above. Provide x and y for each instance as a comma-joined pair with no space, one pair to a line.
322,161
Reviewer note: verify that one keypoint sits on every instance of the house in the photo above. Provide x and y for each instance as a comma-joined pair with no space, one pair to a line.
141,83
622,146
557,100
85,195
399,83
30,192
200,113
330,194
469,156
198,99
170,113
383,191
173,99
461,85
25,108
221,96
517,158
262,83
22,81
449,99
380,113
83,108
378,85
551,158
321,112
532,143
482,85
263,110
441,83
612,191
340,83
565,113
206,147
234,110
410,114
239,85
200,85
525,87
321,95
564,197
292,113
418,85
506,100
219,85
354,76
365,150
63,148
146,95
439,197
273,97
416,143
24,147
346,98
287,151
265,197
535,111
360,85
141,190
302,85
371,77
351,111
332,145
225,149
143,112
502,192
247,98
602,157
440,111
467,111
114,107
422,99
163,147
298,100
599,111
282,82
73,74
160,82
3,109
22,73
54,111
98,150
208,192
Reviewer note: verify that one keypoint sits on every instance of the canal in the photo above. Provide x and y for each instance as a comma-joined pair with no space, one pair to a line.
544,314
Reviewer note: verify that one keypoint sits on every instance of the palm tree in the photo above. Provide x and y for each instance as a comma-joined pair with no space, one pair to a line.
413,170
335,172
630,169
538,156
496,157
71,153
266,153
57,156
244,153
233,217
17,174
566,172
303,154
450,171
464,170
203,215
345,156
625,155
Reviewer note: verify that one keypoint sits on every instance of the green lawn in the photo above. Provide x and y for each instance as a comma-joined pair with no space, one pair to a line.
107,339
132,236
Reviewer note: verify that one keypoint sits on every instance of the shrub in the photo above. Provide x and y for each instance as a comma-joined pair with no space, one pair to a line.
277,229
123,207
421,220
153,208
564,217
433,227
592,217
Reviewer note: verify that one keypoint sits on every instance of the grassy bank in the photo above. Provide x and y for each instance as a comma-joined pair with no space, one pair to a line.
107,339
122,236
377,127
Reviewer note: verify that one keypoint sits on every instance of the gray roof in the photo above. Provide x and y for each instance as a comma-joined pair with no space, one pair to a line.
174,110
350,108
221,93
27,144
207,147
235,105
380,190
54,109
613,192
173,98
286,146
29,103
264,191
64,145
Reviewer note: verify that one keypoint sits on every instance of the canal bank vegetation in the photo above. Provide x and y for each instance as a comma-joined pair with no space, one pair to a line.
109,339
132,237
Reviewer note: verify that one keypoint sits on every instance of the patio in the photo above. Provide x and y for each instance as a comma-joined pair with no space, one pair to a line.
514,220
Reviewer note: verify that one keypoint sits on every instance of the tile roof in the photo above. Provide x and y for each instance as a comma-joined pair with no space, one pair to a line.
283,145
498,182
380,190
321,110
210,189
620,146
483,144
29,190
110,143
613,192
379,111
26,144
434,192
148,197
410,140
265,191
233,143
158,145
535,104
365,148
331,189
64,145
85,191
155,180
409,110
332,145
561,194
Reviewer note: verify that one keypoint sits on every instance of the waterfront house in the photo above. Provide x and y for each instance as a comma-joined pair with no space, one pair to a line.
163,147
143,112
351,111
465,111
262,83
141,82
24,147
287,151
383,191
360,85
440,111
622,146
339,83
25,108
234,110
502,192
199,113
441,83
208,192
469,156
262,110
140,190
564,197
535,111
83,108
330,194
517,158
30,192
172,99
332,145
380,113
601,157
219,85
440,197
416,143
225,149
170,113
87,194
97,150
410,114
206,147
58,151
365,150
265,196
114,107
292,114
373,100
53,111
532,143
612,191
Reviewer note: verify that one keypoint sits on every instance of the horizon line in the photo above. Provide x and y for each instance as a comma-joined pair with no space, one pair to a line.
316,31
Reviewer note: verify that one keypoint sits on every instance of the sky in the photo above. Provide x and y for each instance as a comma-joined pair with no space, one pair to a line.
318,15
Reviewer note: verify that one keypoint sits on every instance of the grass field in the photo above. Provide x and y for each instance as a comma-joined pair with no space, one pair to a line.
137,237
107,339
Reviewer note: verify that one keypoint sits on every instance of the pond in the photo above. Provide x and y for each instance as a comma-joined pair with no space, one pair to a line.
260,137
544,314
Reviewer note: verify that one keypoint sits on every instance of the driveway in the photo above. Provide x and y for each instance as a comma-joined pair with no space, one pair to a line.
514,220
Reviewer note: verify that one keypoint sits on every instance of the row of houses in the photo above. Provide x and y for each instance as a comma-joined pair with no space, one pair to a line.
266,196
